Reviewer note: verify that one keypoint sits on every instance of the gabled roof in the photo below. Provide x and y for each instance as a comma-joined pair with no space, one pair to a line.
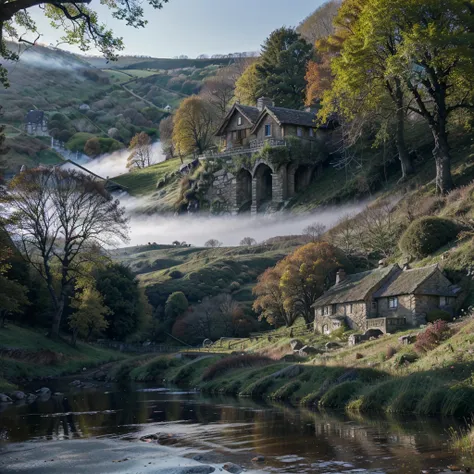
409,281
283,115
249,112
356,287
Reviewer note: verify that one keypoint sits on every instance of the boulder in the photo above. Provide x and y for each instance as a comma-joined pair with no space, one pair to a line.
31,398
355,339
232,468
4,398
76,383
17,395
308,350
43,391
375,333
408,339
332,345
296,345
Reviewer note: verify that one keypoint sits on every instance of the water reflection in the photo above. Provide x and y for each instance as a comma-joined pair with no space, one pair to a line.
292,440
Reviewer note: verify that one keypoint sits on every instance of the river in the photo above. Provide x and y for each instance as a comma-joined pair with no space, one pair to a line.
211,430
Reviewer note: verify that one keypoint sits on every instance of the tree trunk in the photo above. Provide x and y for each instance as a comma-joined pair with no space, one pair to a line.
57,317
403,155
442,156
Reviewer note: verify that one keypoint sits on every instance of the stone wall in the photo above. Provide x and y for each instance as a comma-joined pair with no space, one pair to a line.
223,189
406,308
277,130
233,126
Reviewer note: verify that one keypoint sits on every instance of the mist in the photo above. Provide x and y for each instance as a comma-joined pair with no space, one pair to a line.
229,230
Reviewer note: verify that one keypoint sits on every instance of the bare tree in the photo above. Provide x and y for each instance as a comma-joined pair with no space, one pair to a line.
219,91
166,136
315,231
248,241
213,243
319,24
60,218
141,155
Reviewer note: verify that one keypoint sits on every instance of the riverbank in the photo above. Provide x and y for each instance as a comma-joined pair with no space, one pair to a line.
383,375
27,354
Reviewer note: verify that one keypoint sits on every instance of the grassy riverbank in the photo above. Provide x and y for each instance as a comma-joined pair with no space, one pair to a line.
378,376
27,354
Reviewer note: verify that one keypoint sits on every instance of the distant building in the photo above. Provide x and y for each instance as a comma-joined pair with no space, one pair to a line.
36,123
385,298
168,108
84,108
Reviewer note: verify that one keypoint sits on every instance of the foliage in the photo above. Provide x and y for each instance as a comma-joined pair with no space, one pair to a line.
432,336
318,79
98,146
166,136
176,305
121,294
314,231
319,24
247,85
61,219
282,67
438,315
89,315
219,91
193,126
308,272
141,155
232,363
426,235
248,241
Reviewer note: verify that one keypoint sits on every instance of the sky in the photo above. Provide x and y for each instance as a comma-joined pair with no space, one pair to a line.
194,27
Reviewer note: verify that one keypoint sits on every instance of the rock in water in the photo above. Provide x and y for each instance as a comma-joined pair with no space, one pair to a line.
43,391
232,468
4,398
17,395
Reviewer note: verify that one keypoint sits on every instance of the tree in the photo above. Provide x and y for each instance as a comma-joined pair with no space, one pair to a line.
80,23
270,302
247,85
92,147
219,91
308,271
248,241
361,86
282,68
314,231
319,24
89,314
60,219
166,136
141,155
176,305
193,126
213,243
127,303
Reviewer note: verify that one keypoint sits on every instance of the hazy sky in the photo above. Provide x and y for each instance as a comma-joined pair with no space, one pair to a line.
194,27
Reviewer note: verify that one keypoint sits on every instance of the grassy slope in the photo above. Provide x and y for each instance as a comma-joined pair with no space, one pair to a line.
35,355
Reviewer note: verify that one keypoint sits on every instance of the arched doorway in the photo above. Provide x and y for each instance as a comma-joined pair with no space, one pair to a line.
264,184
244,190
302,177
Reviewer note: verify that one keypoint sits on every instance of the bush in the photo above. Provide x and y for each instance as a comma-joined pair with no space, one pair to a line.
390,352
234,362
438,315
434,335
176,274
234,286
426,235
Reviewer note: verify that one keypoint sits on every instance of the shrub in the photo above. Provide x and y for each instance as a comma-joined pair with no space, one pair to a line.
404,359
390,352
434,335
176,274
234,286
438,315
234,362
426,235
359,356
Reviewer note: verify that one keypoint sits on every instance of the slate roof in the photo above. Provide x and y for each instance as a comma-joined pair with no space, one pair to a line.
249,112
408,281
356,287
293,117
34,116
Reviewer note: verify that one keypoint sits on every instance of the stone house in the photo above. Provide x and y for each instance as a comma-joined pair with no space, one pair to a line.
386,298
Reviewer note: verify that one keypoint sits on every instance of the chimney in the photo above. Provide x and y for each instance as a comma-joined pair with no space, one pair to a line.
264,102
340,276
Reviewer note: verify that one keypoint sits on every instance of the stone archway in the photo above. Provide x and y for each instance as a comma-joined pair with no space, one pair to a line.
243,190
299,177
263,177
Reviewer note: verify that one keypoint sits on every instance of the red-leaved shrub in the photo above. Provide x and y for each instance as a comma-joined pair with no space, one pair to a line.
432,336
234,362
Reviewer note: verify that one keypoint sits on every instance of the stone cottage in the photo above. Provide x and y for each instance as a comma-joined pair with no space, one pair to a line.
36,123
386,298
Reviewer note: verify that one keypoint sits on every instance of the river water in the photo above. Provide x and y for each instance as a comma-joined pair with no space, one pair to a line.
217,430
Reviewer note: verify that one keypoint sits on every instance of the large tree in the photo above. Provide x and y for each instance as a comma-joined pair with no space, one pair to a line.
246,87
77,19
59,220
319,24
282,67
193,126
219,91
141,152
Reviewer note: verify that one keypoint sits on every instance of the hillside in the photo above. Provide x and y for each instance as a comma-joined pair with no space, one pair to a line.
117,103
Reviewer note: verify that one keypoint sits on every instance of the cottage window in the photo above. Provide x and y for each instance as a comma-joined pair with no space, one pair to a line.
239,120
268,130
299,131
311,132
326,310
349,308
393,302
443,301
